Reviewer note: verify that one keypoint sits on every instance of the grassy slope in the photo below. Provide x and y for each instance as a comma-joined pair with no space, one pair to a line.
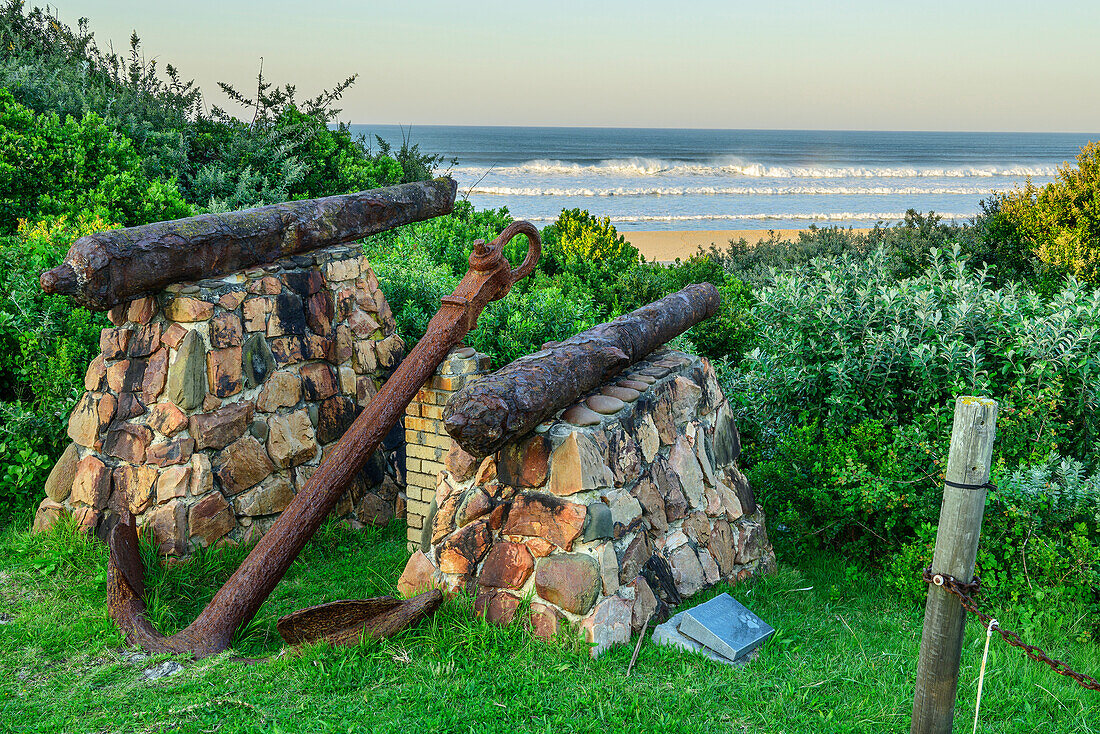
843,660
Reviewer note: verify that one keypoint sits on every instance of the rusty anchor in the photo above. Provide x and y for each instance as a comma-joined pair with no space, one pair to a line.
489,278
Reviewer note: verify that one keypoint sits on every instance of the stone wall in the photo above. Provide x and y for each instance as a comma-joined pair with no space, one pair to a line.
605,514
426,443
211,403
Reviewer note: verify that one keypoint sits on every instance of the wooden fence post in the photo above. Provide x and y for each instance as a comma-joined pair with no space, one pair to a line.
968,464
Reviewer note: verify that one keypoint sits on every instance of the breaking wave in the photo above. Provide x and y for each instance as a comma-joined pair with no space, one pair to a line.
729,190
800,217
732,166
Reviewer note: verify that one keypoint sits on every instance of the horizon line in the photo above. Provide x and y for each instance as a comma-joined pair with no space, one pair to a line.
732,129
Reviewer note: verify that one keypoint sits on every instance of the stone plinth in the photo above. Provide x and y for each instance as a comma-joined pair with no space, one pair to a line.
604,515
211,403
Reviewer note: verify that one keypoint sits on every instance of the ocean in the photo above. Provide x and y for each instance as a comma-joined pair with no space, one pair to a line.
656,179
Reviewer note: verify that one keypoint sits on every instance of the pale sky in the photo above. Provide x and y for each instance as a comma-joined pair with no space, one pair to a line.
862,64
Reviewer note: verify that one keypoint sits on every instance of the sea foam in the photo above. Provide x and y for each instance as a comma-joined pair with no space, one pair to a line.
796,217
731,166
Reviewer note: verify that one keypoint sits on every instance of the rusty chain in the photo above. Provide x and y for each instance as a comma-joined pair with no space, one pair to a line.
966,592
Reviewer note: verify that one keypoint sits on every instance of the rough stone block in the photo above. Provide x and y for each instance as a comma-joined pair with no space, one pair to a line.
546,516
187,374
291,439
210,519
507,566
576,465
242,464
570,580
60,482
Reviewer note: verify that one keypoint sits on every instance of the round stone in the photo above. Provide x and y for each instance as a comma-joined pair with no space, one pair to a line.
579,415
634,385
189,289
654,371
464,352
604,404
640,377
625,394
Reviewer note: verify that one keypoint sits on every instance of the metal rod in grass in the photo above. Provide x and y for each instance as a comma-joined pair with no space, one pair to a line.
638,646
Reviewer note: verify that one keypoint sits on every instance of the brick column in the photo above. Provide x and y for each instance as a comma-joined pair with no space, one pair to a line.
426,441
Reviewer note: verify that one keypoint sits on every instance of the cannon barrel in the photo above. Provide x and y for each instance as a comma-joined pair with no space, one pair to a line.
108,268
510,402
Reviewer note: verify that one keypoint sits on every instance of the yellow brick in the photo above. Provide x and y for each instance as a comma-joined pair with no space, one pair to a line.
430,467
413,409
415,522
426,481
413,492
417,507
438,441
431,453
412,464
450,383
423,424
434,397
416,437
434,412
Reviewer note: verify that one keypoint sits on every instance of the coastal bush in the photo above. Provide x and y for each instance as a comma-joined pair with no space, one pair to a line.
846,403
521,322
50,168
907,244
447,240
587,253
46,344
840,340
1057,225
873,491
291,148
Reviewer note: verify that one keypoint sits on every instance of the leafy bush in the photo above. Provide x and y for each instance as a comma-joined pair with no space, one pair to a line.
845,407
587,254
446,240
74,168
907,244
521,322
1057,225
286,151
414,283
840,341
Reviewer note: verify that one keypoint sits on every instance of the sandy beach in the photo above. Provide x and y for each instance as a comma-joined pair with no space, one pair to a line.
666,246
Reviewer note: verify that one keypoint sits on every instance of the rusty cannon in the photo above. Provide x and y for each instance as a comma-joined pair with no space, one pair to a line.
105,269
111,268
509,403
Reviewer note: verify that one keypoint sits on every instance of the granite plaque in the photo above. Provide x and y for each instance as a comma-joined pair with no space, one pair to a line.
725,626
668,634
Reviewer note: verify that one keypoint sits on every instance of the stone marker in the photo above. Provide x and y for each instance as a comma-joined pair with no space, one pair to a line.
726,626
669,634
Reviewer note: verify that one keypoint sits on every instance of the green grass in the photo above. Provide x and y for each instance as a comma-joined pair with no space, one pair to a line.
843,659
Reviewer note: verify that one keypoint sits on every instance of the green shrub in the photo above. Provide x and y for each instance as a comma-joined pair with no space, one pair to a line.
1057,226
521,322
587,254
846,405
907,244
447,240
840,341
289,149
50,168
